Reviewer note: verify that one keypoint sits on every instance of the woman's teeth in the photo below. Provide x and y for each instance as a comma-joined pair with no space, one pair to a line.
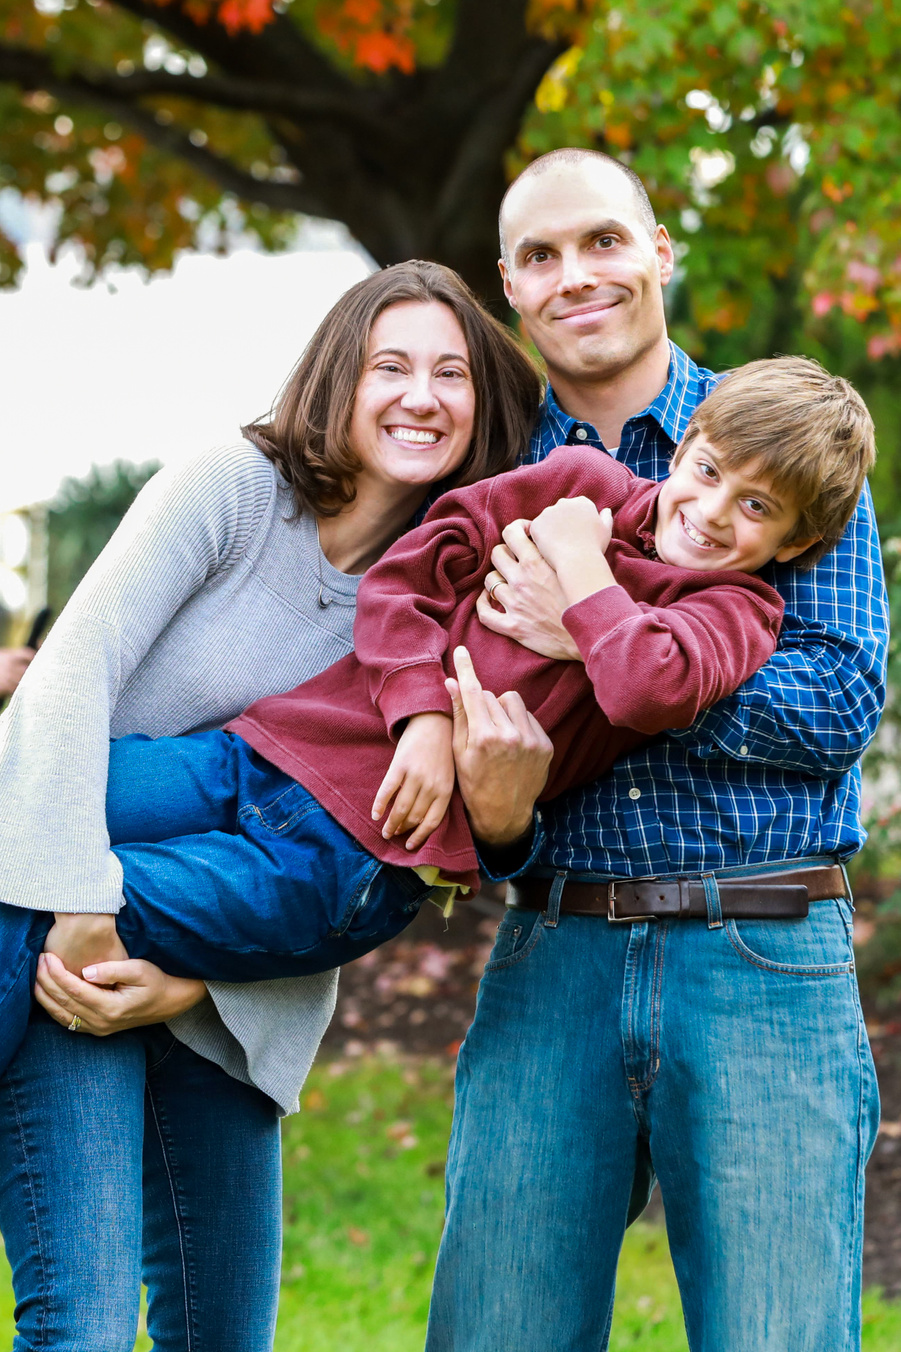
416,436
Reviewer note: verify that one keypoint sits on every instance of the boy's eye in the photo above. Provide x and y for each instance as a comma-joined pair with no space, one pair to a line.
706,470
756,506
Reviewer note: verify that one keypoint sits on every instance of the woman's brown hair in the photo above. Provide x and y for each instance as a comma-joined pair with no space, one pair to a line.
306,434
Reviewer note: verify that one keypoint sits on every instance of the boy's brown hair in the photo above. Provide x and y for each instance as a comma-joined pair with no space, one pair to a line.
809,431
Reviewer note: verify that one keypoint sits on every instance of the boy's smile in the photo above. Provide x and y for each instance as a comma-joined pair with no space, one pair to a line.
712,516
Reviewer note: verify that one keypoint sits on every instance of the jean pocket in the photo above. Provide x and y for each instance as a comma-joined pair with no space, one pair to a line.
517,935
818,945
285,810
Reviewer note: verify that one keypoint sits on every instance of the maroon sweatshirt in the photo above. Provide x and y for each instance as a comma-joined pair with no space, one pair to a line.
657,648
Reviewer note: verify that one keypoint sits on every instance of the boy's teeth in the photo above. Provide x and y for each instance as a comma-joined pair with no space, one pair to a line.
421,437
696,535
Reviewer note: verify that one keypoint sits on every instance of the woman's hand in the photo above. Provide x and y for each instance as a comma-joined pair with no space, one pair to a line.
81,939
502,755
420,779
527,601
119,995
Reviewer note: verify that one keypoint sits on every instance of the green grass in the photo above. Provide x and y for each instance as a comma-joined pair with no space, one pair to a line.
363,1203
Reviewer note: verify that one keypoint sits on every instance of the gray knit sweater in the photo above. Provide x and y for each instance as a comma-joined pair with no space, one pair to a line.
205,599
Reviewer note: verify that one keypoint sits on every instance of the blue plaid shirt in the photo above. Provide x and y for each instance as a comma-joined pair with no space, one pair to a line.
772,772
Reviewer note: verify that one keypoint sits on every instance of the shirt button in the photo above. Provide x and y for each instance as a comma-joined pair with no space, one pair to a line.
581,434
634,793
743,751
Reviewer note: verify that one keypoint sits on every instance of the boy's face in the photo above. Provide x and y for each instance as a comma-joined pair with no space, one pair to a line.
709,516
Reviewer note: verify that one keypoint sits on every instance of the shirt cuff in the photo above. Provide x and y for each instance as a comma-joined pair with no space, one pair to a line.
499,865
417,689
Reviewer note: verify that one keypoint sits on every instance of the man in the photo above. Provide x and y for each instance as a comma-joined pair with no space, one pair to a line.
726,1054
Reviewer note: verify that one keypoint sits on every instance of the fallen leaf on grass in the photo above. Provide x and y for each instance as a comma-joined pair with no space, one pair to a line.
357,1236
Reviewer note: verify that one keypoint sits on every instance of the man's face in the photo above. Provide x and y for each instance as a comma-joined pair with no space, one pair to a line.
584,273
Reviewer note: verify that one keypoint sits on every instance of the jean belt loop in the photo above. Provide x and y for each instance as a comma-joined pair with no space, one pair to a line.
848,891
712,897
552,914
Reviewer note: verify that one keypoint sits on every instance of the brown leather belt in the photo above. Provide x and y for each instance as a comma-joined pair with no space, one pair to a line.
765,896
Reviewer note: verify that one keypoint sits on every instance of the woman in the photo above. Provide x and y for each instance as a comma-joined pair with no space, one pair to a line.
230,579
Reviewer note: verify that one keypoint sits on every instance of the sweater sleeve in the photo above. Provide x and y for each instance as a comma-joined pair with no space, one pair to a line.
406,599
185,525
656,667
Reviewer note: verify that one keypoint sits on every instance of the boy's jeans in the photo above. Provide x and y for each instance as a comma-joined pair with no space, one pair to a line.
736,1057
240,876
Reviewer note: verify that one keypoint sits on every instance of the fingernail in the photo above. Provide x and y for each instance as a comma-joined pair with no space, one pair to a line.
42,960
89,973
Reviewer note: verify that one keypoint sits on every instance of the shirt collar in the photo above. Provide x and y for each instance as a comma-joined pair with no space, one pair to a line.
671,410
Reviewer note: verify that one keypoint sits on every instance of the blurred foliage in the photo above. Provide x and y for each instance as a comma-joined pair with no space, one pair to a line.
81,519
768,135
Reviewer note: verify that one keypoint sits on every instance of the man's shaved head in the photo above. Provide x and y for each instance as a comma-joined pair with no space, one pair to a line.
572,155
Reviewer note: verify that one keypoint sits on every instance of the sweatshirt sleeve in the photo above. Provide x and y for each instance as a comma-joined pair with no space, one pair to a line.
185,524
655,667
406,599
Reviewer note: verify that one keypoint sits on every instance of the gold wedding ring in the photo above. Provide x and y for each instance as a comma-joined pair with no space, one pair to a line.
74,1026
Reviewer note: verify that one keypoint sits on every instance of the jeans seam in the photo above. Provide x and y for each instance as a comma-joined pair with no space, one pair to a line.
656,1002
179,1226
859,1165
46,1285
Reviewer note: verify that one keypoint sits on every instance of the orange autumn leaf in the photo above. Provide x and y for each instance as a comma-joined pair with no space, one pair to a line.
378,52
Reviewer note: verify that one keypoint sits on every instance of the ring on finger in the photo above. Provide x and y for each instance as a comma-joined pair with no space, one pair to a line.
493,588
74,1026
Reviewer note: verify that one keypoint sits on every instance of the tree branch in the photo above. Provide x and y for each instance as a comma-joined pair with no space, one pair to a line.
30,69
38,73
280,50
495,127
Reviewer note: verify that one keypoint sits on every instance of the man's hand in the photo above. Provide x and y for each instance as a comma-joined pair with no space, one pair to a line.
13,664
527,601
502,755
120,995
81,939
420,780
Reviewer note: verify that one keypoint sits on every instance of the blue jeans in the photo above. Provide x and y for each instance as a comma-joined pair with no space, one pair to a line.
88,1125
232,872
733,1058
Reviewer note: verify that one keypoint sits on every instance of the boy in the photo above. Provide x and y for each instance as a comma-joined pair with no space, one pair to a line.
252,867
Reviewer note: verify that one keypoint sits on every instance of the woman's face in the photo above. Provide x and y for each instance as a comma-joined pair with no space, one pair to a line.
414,409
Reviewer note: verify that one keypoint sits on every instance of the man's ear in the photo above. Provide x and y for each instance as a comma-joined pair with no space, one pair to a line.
665,256
789,552
508,288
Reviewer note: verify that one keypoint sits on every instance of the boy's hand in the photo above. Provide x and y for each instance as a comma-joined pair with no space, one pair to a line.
573,536
571,530
420,779
81,939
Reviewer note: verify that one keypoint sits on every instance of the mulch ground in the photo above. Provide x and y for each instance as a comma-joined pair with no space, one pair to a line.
417,994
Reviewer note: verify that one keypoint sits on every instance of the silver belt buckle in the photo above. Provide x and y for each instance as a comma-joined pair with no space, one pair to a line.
615,919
